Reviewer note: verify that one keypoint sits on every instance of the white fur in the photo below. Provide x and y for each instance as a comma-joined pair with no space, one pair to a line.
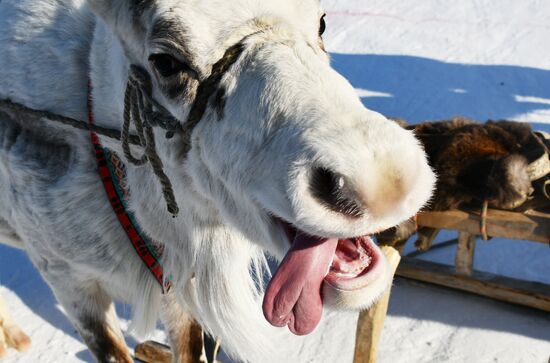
360,299
286,111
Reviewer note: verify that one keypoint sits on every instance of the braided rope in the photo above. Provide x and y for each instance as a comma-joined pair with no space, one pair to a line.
128,116
136,111
207,88
141,110
11,106
483,220
143,116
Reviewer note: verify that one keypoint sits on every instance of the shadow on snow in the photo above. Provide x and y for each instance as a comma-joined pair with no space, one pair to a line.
19,275
419,89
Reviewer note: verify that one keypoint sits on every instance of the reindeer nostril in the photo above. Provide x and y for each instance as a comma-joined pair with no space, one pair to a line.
335,192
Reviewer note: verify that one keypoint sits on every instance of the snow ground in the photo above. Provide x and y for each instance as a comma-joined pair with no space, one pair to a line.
419,60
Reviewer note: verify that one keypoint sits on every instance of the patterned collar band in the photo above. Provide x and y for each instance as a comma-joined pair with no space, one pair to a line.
113,175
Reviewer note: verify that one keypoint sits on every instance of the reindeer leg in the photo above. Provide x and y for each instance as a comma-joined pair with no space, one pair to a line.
185,335
10,334
92,312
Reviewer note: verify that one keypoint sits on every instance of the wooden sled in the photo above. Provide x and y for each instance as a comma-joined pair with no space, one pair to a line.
530,225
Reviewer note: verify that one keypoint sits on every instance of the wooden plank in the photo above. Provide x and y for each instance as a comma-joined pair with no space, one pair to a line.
153,352
527,293
464,259
425,238
371,322
533,226
211,348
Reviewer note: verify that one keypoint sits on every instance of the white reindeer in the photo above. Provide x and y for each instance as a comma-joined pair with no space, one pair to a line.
285,160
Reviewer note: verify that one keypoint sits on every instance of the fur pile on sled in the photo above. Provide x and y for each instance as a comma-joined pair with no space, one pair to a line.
475,162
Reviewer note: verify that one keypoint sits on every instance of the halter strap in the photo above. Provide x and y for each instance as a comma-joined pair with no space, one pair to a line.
145,112
112,172
141,109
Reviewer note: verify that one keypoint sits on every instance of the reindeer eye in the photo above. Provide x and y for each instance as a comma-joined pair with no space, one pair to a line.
166,65
322,25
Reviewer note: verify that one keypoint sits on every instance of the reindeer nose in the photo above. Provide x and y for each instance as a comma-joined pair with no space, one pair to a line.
335,192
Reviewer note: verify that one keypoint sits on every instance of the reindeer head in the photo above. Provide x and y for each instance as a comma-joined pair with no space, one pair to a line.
281,146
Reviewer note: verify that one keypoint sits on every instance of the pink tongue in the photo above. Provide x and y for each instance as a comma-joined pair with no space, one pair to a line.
293,296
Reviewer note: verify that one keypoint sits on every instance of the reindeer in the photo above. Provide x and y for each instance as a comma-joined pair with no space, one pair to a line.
273,153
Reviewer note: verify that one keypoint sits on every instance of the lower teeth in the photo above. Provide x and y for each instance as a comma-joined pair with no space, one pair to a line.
364,256
354,268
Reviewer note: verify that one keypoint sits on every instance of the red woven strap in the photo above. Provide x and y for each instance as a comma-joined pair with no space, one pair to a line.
144,248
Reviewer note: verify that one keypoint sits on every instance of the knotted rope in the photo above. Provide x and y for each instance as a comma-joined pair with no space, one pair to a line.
10,106
144,112
141,110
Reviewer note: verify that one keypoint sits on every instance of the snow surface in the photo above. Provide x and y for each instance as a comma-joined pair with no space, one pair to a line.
430,59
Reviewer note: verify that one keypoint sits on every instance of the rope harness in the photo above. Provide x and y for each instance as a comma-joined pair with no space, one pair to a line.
143,112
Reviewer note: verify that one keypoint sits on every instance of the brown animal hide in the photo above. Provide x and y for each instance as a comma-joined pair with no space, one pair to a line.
476,163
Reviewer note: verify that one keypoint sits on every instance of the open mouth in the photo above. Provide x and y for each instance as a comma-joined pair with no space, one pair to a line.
294,294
